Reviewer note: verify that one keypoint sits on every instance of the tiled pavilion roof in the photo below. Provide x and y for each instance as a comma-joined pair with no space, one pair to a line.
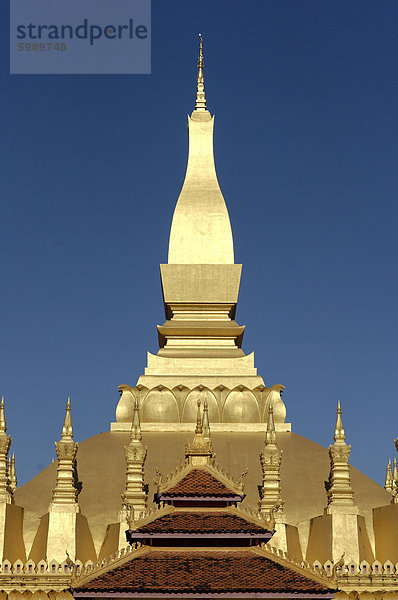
201,523
199,483
203,573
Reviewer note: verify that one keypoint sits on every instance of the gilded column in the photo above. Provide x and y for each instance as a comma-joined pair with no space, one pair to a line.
64,532
135,497
12,545
340,492
348,528
61,519
270,459
65,492
389,480
5,443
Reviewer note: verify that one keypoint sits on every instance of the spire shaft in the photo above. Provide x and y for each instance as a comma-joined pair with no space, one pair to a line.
198,428
339,434
205,421
200,103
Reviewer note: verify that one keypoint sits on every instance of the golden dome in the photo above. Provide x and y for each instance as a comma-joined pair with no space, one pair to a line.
102,469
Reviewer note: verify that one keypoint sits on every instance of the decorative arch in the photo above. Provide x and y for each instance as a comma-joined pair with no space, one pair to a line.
160,406
201,393
241,406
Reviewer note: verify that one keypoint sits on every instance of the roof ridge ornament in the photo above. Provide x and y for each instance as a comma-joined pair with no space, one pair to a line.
200,103
200,452
205,421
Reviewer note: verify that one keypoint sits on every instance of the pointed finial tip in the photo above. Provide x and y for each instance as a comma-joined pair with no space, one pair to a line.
338,405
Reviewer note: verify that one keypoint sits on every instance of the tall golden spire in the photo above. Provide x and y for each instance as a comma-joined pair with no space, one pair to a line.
200,103
3,426
135,497
205,421
389,480
198,428
67,430
5,442
270,459
65,491
339,434
12,474
340,492
200,452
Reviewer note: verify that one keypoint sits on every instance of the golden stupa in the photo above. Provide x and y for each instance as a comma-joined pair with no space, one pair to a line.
76,510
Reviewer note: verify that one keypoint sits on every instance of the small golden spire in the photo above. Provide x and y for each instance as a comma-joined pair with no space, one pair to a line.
339,434
135,433
67,431
271,459
135,496
200,103
205,421
3,426
65,491
270,435
395,473
198,428
389,481
12,474
200,452
339,490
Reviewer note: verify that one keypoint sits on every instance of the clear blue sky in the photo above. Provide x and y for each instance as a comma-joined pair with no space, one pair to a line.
305,97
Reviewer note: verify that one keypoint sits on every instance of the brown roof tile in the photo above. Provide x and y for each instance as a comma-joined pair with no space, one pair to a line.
199,483
202,572
200,522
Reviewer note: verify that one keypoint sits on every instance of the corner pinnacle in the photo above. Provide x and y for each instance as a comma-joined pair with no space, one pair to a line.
135,433
198,428
205,421
339,434
3,426
67,431
270,436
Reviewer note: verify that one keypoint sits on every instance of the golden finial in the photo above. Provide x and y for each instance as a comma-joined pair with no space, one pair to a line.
270,435
205,421
200,103
12,474
67,431
339,429
198,428
395,472
3,426
135,433
389,480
